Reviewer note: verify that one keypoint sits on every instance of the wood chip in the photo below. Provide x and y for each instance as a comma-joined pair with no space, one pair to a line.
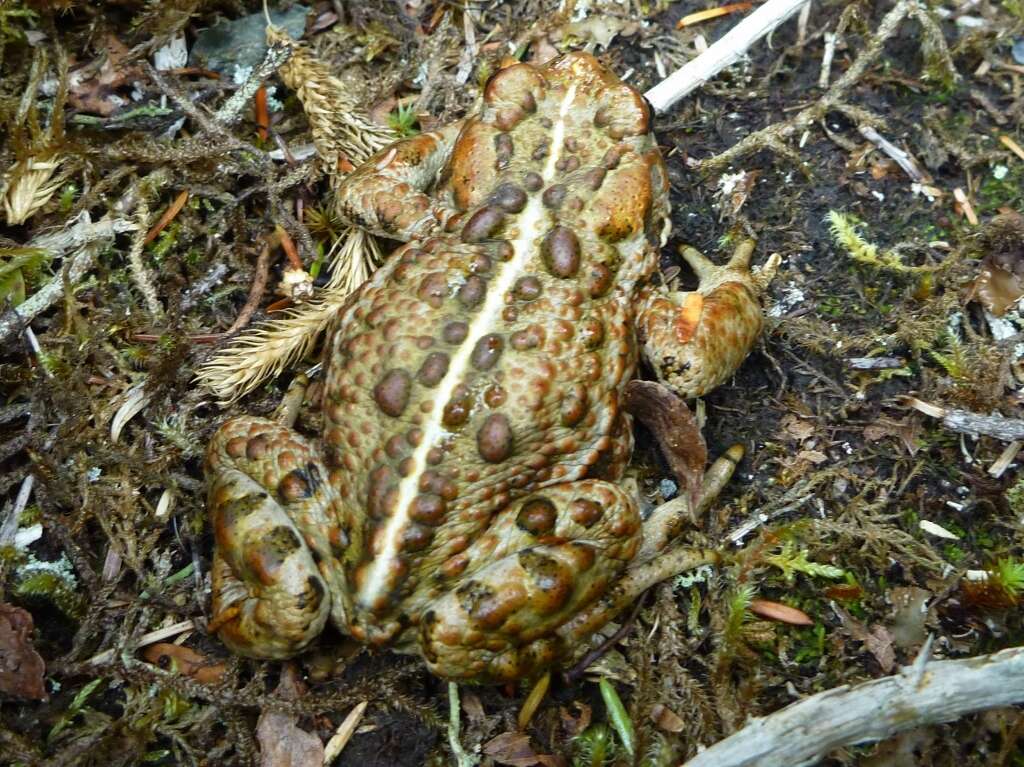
965,206
1002,463
937,530
711,13
344,733
1012,145
777,611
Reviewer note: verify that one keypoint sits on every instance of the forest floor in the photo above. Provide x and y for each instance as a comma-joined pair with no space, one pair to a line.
855,504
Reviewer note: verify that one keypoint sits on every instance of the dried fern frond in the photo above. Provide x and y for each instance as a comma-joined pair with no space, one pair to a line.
341,129
273,347
355,256
29,185
339,125
268,349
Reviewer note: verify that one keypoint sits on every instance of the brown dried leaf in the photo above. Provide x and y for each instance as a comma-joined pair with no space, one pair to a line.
96,94
674,428
812,456
997,289
797,428
877,640
667,719
282,742
907,431
511,748
21,667
186,660
879,643
777,611
1000,282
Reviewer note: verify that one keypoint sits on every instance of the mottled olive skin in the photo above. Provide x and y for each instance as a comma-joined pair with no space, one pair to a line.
461,500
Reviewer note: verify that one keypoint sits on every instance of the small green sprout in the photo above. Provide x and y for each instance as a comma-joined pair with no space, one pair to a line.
791,562
403,120
76,707
594,747
1009,573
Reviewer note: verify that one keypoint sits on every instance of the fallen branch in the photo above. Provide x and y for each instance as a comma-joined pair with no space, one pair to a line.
921,694
973,424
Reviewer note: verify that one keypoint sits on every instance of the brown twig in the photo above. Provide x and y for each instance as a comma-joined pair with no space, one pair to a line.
259,286
167,217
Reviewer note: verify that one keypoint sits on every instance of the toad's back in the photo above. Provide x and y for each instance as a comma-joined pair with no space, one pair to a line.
487,361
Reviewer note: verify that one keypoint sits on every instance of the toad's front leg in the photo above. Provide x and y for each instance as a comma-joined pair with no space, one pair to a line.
388,195
696,340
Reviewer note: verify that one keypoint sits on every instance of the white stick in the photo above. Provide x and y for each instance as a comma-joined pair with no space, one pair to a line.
722,54
927,692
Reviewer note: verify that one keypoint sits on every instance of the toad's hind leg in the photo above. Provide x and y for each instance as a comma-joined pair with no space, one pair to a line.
550,555
696,340
276,578
659,558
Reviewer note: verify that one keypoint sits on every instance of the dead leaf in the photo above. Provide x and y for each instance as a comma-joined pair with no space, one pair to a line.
186,660
282,742
93,87
550,760
674,428
907,431
1000,281
877,640
777,611
666,718
797,428
812,456
879,643
21,667
472,706
511,748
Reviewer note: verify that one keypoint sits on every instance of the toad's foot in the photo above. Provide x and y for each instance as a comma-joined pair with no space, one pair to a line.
696,340
657,559
276,572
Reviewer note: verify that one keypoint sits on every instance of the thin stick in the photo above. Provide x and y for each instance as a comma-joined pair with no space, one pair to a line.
150,637
722,54
259,285
974,424
921,694
774,135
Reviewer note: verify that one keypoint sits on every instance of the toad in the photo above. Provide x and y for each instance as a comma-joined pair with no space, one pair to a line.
463,500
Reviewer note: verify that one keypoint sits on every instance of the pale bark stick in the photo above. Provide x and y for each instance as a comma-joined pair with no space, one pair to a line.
722,54
922,694
84,236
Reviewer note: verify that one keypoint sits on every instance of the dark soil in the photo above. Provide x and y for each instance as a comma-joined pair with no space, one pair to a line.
838,448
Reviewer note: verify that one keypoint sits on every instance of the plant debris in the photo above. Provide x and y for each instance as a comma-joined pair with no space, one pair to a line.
171,243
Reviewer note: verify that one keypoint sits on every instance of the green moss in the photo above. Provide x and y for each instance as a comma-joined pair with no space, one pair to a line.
1008,191
53,581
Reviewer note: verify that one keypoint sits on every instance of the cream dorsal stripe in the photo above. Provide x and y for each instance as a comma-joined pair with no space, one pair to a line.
532,223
